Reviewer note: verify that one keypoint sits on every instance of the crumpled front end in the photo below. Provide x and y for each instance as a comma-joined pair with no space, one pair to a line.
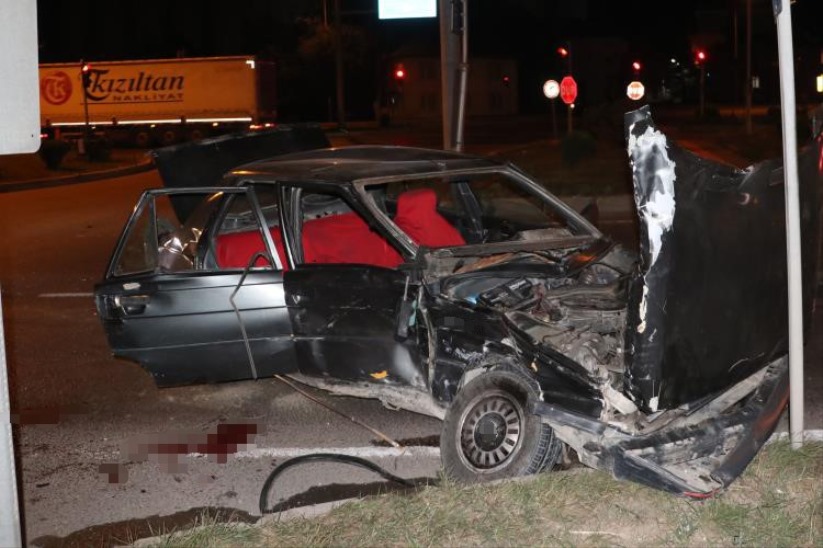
706,319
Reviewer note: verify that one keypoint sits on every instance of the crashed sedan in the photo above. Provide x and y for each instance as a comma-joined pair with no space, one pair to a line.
459,287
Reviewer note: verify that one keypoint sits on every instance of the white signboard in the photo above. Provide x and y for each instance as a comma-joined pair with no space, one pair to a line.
19,109
406,9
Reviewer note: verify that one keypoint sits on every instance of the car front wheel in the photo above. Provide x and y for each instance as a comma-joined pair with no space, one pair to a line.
489,433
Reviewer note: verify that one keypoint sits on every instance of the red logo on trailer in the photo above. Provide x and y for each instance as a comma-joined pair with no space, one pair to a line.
568,90
55,87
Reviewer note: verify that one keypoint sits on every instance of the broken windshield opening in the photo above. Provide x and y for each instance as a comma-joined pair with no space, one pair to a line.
474,208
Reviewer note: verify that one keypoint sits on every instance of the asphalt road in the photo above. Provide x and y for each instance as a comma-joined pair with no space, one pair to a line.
85,415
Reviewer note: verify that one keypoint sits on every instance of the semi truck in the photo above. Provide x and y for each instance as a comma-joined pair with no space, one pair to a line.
157,101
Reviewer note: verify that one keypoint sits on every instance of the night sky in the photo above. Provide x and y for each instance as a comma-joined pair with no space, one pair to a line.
109,29
528,30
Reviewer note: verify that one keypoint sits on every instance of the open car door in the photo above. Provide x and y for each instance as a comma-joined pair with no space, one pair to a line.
179,298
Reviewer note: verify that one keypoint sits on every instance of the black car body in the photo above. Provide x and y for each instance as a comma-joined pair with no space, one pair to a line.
458,286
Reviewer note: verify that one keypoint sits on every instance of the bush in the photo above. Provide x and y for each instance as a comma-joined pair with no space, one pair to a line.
53,151
576,146
98,149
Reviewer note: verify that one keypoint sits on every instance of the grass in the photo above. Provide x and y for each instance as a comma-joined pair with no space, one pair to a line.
777,502
210,532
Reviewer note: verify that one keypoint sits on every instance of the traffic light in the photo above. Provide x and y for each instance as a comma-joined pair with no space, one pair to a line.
562,52
636,66
399,73
85,71
700,56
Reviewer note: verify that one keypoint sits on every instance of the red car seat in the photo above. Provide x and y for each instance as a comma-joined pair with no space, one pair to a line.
417,216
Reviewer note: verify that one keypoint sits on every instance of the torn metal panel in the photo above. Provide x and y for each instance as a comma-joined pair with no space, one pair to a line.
707,306
683,457
391,396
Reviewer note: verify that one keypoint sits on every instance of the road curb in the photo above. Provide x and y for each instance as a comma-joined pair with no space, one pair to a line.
321,509
48,182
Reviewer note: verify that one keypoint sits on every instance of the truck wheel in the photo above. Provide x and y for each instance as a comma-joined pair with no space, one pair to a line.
489,433
168,137
195,135
142,139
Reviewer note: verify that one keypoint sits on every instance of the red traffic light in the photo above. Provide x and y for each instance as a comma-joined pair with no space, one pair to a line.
700,56
85,72
563,52
399,72
636,66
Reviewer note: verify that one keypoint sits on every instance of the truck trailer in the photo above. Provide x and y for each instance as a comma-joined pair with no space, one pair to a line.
157,101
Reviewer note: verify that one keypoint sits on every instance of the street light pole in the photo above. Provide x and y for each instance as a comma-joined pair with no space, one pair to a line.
748,86
464,75
702,89
570,107
84,80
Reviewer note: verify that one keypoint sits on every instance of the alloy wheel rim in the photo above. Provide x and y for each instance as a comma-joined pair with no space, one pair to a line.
490,432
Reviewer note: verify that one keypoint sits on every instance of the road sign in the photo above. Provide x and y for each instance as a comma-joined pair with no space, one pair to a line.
568,90
635,91
551,89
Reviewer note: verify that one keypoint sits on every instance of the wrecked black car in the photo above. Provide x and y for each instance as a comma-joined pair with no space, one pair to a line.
459,287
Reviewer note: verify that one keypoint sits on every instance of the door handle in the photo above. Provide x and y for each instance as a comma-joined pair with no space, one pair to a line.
132,304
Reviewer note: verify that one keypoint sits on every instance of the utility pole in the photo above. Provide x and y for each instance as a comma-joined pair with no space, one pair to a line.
452,24
464,72
785,52
747,90
702,90
85,77
338,65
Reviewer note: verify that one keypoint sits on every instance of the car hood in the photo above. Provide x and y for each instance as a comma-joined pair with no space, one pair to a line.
708,304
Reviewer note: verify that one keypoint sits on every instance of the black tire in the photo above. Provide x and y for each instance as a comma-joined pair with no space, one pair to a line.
473,445
141,139
195,135
168,137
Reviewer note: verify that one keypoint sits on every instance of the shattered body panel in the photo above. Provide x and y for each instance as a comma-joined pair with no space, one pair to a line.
457,286
708,306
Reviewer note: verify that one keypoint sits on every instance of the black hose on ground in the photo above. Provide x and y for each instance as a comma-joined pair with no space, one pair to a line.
346,459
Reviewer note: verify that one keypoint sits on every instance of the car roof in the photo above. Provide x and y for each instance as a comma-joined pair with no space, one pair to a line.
358,162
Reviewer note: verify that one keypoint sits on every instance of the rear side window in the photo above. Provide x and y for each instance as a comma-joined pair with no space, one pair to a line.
192,231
